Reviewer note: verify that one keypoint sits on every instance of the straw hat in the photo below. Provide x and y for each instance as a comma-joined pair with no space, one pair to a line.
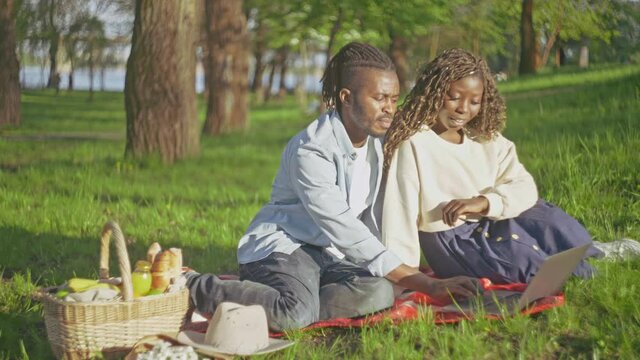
234,330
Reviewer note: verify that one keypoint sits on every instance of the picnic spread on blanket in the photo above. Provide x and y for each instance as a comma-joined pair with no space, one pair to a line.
409,307
145,312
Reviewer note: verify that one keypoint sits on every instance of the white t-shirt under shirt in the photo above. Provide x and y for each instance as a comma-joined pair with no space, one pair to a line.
360,190
360,195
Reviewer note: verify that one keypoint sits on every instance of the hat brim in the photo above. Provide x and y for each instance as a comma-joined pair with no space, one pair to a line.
196,339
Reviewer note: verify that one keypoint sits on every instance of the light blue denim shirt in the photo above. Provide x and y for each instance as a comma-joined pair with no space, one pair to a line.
309,202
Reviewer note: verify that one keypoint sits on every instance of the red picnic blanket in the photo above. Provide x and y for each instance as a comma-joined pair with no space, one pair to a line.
406,307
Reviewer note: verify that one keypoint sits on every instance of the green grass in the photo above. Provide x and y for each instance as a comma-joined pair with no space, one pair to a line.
577,133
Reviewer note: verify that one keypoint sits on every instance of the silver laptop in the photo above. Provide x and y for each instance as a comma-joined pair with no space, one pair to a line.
552,274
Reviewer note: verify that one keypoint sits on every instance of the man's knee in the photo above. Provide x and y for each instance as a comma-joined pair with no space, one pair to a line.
361,296
379,290
293,313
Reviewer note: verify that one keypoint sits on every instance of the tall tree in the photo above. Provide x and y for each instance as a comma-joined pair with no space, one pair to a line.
259,50
228,61
71,40
527,39
397,22
398,52
624,21
579,20
284,61
160,95
9,67
94,41
276,28
52,19
53,35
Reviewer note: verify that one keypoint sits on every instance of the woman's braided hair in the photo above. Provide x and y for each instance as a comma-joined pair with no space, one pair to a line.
422,105
339,71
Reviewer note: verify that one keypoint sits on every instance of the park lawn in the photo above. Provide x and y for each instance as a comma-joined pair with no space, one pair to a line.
576,132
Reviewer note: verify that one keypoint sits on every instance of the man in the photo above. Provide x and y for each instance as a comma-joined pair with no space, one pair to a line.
312,253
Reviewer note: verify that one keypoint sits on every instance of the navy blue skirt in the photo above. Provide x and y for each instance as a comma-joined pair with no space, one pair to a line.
507,251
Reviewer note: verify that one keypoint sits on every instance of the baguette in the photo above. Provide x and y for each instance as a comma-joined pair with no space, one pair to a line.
153,251
162,262
166,266
175,262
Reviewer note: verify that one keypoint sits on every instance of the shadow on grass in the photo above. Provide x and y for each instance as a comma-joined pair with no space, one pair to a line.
575,346
154,201
18,329
50,257
53,258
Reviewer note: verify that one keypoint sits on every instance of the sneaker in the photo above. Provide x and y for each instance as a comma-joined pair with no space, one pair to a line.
619,249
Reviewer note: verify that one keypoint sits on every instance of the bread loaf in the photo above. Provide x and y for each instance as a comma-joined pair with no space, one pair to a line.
160,280
162,262
167,265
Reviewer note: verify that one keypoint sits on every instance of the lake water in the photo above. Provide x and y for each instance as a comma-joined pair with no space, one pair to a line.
34,77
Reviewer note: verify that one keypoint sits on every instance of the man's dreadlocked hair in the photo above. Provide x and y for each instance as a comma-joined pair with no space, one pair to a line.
422,105
340,69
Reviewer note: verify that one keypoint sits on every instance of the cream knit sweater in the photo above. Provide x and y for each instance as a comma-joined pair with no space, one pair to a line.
427,172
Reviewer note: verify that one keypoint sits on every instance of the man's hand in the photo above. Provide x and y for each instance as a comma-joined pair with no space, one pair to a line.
411,278
459,286
451,212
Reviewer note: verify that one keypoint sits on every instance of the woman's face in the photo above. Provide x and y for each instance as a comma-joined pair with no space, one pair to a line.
461,104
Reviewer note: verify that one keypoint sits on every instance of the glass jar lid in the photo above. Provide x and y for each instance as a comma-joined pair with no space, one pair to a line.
143,265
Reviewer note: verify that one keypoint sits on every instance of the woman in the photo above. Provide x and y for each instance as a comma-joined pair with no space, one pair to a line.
455,188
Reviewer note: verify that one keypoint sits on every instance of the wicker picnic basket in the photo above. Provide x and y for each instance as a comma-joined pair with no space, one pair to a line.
81,330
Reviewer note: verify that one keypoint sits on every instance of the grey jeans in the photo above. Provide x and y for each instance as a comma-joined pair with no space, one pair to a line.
296,290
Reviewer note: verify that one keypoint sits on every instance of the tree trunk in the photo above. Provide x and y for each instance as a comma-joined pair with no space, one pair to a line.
23,81
206,71
332,36
398,54
549,45
160,95
91,75
527,40
103,69
256,83
538,53
301,89
259,52
560,55
71,72
54,42
476,44
282,86
583,60
228,61
272,73
9,67
434,44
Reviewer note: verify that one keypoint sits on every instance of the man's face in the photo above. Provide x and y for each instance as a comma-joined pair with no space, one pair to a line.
368,103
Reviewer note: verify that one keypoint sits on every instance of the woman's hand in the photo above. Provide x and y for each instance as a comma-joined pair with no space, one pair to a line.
451,212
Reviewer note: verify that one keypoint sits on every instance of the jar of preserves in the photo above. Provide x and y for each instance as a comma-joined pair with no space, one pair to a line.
141,278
